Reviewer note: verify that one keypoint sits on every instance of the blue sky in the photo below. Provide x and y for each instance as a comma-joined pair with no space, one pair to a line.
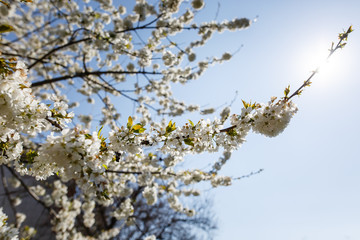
309,189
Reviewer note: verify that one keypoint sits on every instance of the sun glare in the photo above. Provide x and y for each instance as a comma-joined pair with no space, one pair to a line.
316,59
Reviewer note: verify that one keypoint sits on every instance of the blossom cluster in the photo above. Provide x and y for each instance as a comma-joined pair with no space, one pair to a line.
7,232
104,32
80,172
20,112
91,161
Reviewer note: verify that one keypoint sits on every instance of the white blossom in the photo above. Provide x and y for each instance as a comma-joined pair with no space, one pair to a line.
7,232
100,49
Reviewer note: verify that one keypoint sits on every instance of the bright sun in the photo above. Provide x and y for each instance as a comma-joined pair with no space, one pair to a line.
317,58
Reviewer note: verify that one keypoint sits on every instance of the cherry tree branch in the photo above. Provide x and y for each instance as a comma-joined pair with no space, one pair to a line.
83,74
339,45
56,49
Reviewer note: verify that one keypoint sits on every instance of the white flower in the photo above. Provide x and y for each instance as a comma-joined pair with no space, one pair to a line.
145,56
150,194
125,210
7,232
168,58
271,119
151,237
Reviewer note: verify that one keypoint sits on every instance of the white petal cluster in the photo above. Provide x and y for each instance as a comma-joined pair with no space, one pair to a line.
151,237
111,29
64,222
89,216
7,232
96,47
272,118
150,194
20,113
75,154
125,210
144,57
168,58
18,108
83,157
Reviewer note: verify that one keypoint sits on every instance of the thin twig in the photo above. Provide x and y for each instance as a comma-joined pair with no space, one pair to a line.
138,172
55,124
82,74
249,175
56,49
307,82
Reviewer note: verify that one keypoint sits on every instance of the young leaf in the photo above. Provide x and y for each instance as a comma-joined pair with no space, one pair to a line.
287,91
342,45
189,141
138,128
5,3
6,28
170,127
30,156
246,105
231,133
99,132
22,86
191,123
88,136
129,123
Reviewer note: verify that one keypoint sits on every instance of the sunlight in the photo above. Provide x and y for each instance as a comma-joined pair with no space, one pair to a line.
316,59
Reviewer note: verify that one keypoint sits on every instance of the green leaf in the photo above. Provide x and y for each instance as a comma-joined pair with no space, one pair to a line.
99,132
129,123
231,132
246,105
191,123
287,91
138,128
189,141
6,28
88,136
141,130
22,86
105,166
3,147
30,156
170,128
350,29
105,194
